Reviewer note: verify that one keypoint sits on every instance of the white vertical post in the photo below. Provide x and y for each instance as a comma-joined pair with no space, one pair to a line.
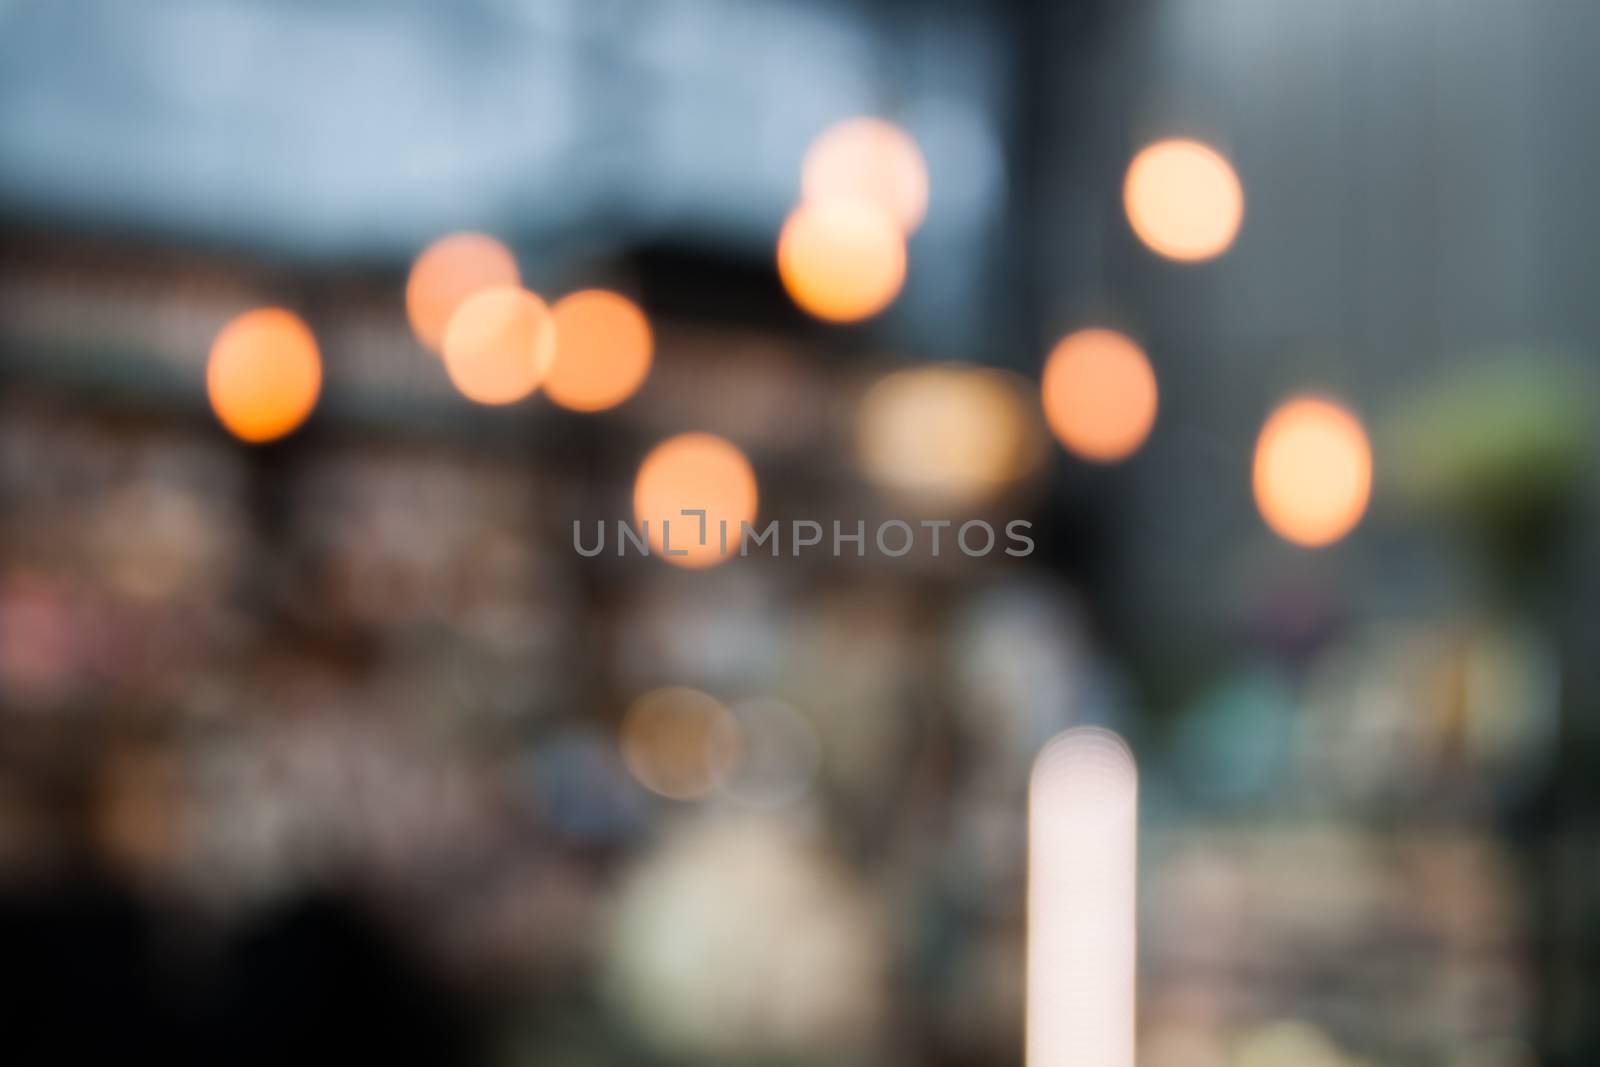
1082,870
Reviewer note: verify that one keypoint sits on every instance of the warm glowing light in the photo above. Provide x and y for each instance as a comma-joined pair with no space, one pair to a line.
1082,870
679,742
1183,200
1099,395
956,434
500,345
841,260
264,374
449,271
1313,472
690,473
603,351
872,160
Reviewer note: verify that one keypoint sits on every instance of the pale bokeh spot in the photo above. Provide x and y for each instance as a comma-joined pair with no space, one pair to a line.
679,742
952,434
1313,471
1183,199
873,160
500,345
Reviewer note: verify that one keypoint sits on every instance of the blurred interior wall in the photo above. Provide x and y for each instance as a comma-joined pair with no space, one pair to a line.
1419,182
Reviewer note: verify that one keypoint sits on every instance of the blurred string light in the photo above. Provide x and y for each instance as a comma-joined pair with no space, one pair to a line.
841,259
954,434
1082,867
1099,395
872,160
603,351
499,345
449,271
1313,471
679,742
690,472
1183,200
264,374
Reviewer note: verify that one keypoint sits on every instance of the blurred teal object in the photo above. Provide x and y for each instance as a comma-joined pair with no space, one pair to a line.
1233,745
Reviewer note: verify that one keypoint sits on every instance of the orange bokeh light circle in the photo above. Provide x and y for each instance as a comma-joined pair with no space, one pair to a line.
688,472
499,345
264,374
1313,471
446,273
841,260
1183,200
604,348
1099,395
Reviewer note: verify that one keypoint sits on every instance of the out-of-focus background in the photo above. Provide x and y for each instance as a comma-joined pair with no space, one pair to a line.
318,737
